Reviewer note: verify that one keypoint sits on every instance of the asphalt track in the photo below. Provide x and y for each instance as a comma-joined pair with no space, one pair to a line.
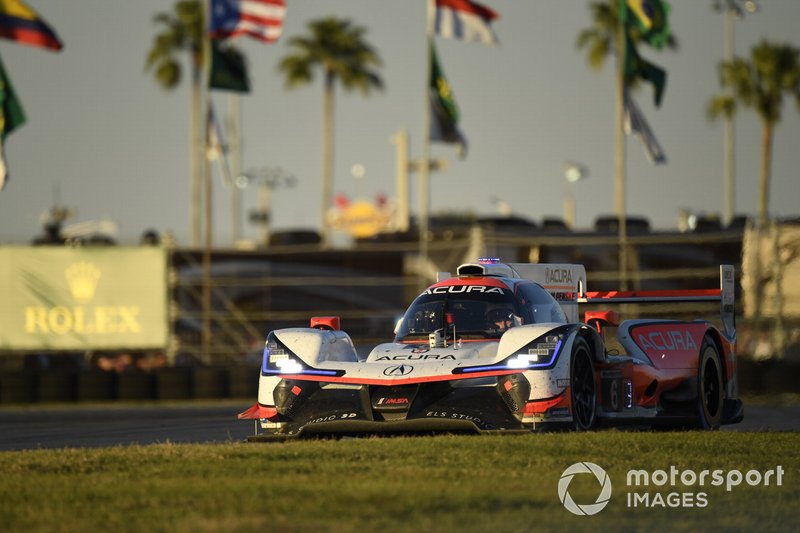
31,428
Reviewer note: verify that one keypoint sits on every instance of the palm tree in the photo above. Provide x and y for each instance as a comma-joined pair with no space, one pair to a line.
600,39
182,30
760,83
339,49
604,38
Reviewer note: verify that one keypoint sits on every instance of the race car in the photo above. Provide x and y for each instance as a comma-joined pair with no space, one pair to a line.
500,347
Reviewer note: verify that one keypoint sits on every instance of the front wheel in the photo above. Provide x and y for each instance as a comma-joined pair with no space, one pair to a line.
709,387
584,391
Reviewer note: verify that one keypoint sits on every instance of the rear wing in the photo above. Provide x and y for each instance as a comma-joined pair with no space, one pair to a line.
565,282
725,295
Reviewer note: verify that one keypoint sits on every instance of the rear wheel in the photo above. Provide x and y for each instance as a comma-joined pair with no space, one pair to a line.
709,387
583,391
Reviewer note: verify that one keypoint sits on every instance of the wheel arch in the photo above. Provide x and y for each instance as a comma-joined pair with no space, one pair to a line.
595,342
714,335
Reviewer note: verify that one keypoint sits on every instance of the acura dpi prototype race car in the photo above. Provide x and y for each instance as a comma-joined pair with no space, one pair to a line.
501,347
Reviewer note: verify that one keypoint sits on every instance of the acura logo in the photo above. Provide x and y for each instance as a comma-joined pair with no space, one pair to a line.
399,370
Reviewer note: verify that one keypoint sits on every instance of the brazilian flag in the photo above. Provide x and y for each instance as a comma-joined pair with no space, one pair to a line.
11,117
638,67
650,19
444,110
11,114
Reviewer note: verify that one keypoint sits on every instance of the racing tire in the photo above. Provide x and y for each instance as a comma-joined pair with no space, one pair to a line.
710,397
583,390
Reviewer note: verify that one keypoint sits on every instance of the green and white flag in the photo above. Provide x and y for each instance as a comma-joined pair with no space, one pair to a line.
11,117
444,109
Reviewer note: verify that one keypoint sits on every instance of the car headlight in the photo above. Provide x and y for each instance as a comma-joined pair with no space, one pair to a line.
540,353
278,359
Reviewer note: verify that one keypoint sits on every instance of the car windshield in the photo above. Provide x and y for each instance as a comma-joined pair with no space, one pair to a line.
474,314
477,312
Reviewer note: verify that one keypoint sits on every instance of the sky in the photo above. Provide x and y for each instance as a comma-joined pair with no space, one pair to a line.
103,138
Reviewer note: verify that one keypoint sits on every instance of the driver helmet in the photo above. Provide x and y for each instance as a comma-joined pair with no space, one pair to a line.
500,318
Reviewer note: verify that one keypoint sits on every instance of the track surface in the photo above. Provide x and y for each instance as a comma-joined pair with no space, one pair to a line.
77,427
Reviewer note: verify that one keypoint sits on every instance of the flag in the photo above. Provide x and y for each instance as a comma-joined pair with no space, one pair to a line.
444,110
650,17
636,124
637,67
260,19
215,145
228,69
11,117
20,23
464,20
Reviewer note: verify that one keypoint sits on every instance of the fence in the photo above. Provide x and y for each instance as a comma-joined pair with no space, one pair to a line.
370,285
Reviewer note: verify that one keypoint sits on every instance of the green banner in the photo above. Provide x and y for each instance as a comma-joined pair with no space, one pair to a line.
57,298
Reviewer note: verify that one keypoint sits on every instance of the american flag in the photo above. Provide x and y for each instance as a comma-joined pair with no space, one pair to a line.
464,20
260,19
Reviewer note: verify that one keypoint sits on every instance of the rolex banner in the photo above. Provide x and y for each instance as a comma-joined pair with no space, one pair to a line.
55,298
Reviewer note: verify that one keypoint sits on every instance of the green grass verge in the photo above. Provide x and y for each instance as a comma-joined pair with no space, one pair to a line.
466,483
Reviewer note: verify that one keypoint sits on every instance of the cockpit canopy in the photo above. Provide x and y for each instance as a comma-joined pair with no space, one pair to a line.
477,311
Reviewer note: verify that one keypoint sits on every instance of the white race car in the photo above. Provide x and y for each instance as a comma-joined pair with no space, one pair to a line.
500,347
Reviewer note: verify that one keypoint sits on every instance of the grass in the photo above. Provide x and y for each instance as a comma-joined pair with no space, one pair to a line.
440,483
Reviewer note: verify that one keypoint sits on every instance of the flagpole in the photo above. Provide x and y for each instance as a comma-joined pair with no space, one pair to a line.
619,156
205,353
235,141
424,170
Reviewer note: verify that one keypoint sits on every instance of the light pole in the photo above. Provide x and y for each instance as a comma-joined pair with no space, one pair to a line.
573,173
269,178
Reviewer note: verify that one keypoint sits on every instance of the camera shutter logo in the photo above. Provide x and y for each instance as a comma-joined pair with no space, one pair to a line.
602,499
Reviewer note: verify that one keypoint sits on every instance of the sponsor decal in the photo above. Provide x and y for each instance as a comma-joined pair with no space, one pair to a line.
398,370
393,401
558,275
331,418
82,279
667,341
458,289
460,416
564,296
420,357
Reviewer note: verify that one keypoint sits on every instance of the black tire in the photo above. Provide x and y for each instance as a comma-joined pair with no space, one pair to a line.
583,386
709,387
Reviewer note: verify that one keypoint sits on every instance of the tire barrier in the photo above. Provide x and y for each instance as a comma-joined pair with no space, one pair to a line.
211,382
768,377
18,386
136,386
97,386
241,382
244,381
174,383
57,386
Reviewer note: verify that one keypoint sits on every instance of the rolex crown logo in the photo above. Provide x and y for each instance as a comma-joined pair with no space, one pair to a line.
82,278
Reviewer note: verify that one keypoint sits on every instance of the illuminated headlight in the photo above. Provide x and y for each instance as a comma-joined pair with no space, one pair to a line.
278,359
540,353
288,366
